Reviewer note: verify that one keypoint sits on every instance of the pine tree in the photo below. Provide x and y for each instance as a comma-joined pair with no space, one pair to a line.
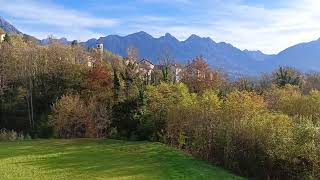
286,76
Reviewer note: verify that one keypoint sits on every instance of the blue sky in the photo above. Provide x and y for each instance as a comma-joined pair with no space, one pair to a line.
267,25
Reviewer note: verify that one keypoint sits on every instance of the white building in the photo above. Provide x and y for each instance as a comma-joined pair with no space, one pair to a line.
100,48
146,68
176,70
91,61
2,37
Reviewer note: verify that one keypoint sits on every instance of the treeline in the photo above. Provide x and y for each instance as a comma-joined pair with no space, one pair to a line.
265,127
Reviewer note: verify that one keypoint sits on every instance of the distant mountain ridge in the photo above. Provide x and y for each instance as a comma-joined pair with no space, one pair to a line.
257,55
303,56
7,27
224,56
219,55
61,40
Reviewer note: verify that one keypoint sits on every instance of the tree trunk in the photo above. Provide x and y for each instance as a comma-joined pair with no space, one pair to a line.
31,104
29,114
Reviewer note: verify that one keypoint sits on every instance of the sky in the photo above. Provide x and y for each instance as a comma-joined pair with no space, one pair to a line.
266,25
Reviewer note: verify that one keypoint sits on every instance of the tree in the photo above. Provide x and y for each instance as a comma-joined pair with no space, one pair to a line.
264,83
4,68
14,92
69,116
126,117
131,78
6,75
199,77
165,61
25,58
311,82
74,43
245,84
7,38
2,31
116,85
287,75
99,120
160,100
285,99
100,78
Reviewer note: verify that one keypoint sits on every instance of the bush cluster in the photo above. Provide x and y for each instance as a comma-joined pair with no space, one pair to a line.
241,133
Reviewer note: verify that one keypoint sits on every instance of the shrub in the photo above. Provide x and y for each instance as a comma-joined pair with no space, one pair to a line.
193,121
241,134
99,120
73,117
126,116
68,117
305,150
6,135
241,105
159,100
283,99
291,101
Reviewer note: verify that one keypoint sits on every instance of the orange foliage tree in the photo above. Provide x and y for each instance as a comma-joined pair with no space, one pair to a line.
199,77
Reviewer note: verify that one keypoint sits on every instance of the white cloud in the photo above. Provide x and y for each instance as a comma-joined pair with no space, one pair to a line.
71,22
274,29
167,1
270,29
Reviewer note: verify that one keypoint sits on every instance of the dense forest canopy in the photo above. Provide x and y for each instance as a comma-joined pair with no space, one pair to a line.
263,127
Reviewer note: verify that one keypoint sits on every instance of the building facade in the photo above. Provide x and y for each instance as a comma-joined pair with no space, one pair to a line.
2,37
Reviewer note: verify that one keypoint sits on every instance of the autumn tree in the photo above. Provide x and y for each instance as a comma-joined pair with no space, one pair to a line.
99,80
311,82
99,123
69,116
6,75
24,59
284,99
198,76
264,83
4,67
244,84
159,100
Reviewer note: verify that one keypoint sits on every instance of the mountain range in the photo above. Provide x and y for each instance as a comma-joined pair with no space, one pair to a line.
7,27
224,56
219,55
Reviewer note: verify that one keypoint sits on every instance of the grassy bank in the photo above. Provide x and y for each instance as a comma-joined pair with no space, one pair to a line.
100,159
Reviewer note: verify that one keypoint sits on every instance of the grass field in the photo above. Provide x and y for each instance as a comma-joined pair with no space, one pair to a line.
100,159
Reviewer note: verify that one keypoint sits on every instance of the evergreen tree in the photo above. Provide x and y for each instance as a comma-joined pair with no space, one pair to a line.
286,75
7,38
116,85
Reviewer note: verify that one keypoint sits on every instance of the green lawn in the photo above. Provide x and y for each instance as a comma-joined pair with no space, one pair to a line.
100,159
